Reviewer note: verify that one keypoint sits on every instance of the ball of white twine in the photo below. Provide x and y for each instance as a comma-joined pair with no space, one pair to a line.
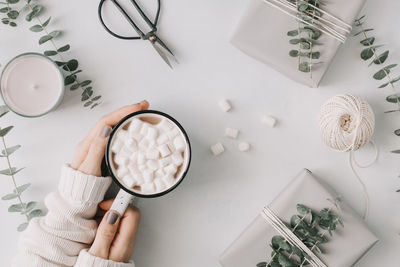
347,123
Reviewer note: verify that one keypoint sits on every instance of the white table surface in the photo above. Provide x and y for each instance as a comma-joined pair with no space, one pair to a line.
192,225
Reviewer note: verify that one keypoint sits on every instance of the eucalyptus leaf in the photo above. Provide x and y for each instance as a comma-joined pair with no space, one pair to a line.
50,53
55,34
87,93
44,25
13,24
396,151
16,208
395,98
368,41
261,264
74,86
284,261
13,1
85,83
11,171
22,227
36,11
3,110
363,31
70,79
390,82
397,132
29,207
94,105
5,131
13,14
367,53
36,28
304,67
381,58
96,98
293,33
9,150
5,10
71,65
35,213
63,48
20,189
303,210
383,72
87,104
45,39
9,196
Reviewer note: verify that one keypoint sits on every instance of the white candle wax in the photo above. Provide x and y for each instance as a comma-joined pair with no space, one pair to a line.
32,85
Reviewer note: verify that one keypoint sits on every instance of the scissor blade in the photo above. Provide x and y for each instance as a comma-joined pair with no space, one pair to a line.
166,48
161,51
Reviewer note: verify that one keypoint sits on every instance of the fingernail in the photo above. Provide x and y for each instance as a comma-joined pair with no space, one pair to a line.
112,217
106,131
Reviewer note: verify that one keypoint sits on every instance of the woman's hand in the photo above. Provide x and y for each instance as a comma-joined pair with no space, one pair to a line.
90,151
115,237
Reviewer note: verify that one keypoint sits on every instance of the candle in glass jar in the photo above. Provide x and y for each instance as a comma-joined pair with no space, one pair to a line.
32,85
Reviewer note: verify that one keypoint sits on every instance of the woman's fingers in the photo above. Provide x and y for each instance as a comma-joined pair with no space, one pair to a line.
105,235
110,120
124,241
92,163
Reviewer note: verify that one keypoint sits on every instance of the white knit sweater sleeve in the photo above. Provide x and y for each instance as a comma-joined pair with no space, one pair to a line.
61,237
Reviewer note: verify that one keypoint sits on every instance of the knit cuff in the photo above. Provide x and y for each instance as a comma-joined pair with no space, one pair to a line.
87,260
77,186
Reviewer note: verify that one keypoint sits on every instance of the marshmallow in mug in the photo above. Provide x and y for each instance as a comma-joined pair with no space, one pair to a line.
148,156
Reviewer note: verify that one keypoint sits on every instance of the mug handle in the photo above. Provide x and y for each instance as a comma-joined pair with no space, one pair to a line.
121,202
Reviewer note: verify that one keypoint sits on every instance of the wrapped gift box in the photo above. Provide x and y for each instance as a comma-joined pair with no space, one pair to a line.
347,245
262,34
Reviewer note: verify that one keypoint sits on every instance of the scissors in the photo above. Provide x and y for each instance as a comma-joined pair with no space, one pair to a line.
164,52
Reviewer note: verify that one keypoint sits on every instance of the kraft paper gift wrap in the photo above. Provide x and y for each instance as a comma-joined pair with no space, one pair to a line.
347,245
262,34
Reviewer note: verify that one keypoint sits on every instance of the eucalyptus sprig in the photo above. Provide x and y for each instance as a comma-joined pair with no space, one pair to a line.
370,52
311,228
10,11
70,67
306,36
26,209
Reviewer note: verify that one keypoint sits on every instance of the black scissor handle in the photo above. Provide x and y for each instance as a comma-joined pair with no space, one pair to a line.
141,34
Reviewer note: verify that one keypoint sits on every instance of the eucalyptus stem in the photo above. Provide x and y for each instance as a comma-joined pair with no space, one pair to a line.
13,179
51,41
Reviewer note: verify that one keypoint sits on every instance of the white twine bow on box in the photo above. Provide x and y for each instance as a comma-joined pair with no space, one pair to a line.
335,28
290,237
347,123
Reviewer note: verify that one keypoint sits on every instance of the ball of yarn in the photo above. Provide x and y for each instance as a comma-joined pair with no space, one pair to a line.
346,122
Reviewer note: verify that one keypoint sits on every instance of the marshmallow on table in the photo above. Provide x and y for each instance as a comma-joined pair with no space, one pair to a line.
159,184
152,164
268,120
148,176
128,181
135,126
148,188
244,146
231,133
177,158
224,105
169,180
152,153
152,133
164,150
217,149
179,144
